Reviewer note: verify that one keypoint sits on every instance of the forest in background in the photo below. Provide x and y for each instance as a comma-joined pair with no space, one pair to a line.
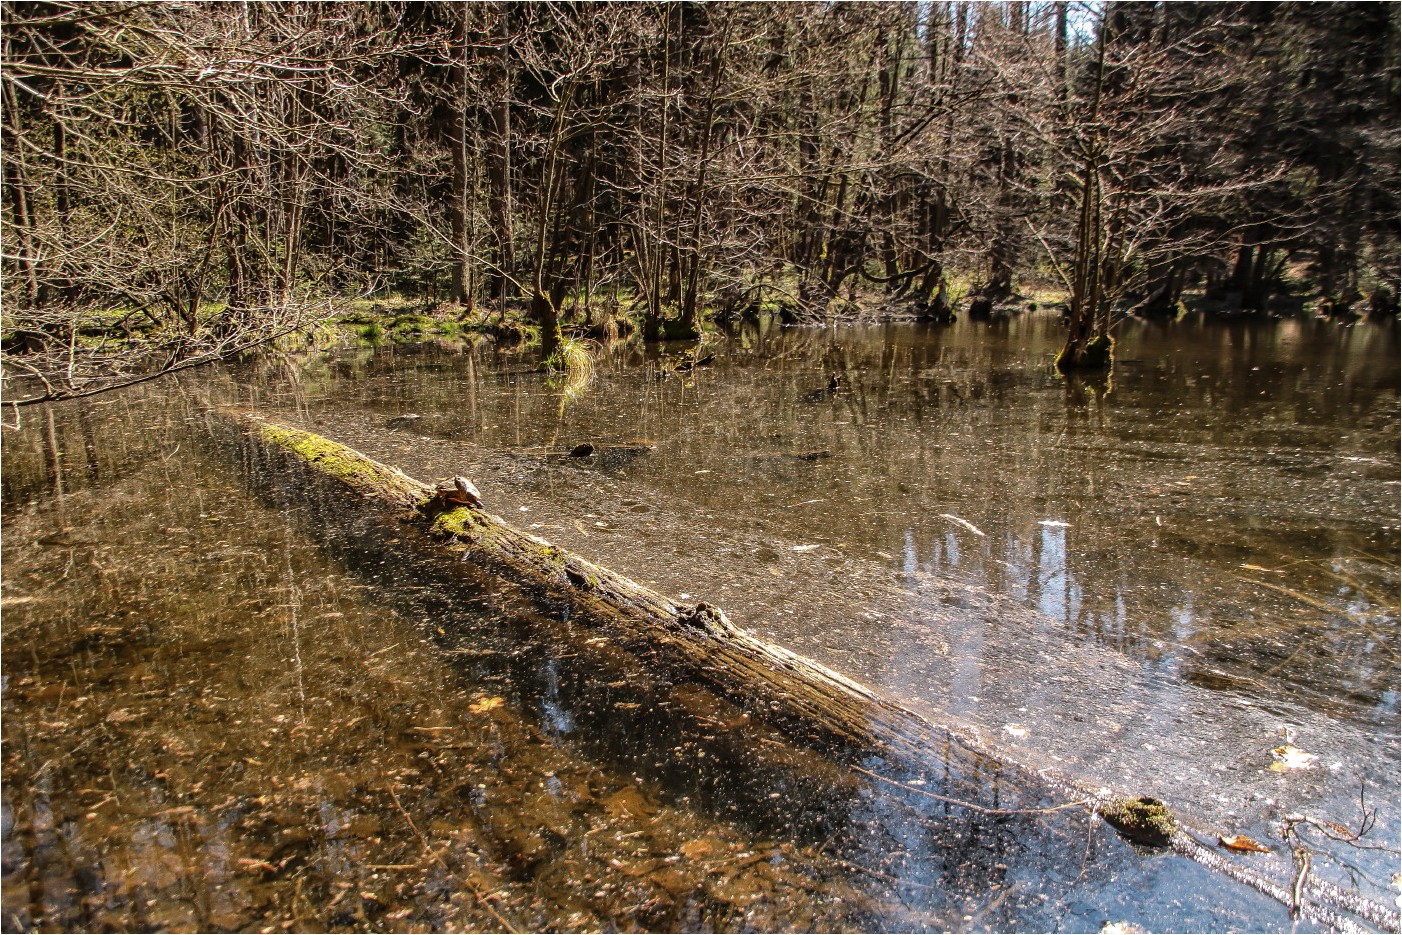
185,180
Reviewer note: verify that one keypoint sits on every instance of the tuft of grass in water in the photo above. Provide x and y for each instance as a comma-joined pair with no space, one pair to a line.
571,368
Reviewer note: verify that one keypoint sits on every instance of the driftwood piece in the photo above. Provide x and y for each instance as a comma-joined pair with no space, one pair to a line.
805,701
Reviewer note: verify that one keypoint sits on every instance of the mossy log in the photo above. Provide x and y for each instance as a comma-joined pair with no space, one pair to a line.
801,697
811,705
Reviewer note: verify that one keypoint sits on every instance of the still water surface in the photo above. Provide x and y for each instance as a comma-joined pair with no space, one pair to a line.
226,711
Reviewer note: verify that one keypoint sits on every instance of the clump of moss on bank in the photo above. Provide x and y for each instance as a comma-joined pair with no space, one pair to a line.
1098,354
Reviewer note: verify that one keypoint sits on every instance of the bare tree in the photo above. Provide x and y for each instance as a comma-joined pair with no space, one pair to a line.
162,165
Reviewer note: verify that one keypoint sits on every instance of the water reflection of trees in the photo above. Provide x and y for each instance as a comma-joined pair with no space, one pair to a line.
1239,427
1201,424
926,426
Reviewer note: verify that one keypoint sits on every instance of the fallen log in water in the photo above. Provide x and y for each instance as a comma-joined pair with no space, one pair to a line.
810,704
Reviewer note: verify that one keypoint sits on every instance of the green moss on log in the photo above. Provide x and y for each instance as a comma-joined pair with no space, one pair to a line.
1142,820
341,463
462,524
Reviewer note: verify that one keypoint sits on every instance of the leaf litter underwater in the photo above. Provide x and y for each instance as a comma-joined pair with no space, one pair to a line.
214,720
1150,587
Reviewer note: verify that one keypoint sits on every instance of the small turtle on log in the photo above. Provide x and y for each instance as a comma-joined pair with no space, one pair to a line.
459,491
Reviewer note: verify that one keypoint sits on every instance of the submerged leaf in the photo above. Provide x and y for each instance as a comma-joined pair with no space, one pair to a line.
694,850
1240,842
485,705
1289,756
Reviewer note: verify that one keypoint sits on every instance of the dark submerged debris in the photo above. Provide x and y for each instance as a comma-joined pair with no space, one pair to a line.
832,389
688,365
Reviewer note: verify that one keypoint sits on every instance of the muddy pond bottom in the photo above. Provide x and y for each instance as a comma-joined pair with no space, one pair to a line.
226,711
1149,582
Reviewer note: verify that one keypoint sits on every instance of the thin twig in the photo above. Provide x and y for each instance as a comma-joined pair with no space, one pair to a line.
1297,892
428,849
970,805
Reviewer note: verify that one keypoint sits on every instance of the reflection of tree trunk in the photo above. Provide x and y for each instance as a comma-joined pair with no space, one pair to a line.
470,385
53,457
85,425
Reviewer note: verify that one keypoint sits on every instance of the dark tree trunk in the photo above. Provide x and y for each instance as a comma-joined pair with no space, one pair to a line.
460,288
545,311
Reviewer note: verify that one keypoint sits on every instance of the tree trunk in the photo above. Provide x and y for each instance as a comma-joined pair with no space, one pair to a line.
460,278
546,313
499,176
1088,343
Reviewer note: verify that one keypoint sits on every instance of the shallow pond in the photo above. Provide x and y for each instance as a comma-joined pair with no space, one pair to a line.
225,709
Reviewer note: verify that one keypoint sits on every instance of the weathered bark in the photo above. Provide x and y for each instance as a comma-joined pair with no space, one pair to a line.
817,710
